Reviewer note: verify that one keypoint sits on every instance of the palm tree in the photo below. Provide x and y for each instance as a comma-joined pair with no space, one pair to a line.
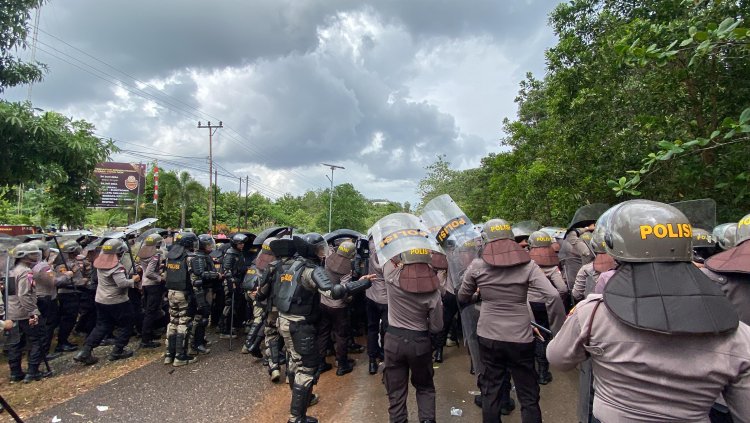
188,190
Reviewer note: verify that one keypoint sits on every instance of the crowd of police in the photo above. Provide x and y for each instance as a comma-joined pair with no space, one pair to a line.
657,307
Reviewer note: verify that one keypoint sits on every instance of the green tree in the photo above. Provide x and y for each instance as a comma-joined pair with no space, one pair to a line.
349,210
14,28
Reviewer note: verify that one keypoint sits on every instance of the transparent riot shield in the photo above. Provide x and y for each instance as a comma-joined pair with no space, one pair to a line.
454,232
398,233
524,228
701,213
462,242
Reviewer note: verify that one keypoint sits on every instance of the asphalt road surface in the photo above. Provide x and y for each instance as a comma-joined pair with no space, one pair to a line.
228,386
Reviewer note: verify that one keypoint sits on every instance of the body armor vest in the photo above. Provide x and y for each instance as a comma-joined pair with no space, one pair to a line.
293,297
177,274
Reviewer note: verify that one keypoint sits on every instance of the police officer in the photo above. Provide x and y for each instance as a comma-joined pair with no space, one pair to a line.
574,251
255,331
542,253
731,270
68,294
268,288
299,309
376,303
505,278
589,273
415,310
113,307
87,303
725,235
179,293
334,321
47,281
666,342
22,310
152,266
233,270
450,305
204,278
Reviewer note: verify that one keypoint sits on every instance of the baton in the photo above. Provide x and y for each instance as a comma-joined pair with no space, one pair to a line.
542,328
231,318
10,410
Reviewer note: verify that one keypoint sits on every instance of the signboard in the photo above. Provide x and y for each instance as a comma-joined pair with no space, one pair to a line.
117,180
16,230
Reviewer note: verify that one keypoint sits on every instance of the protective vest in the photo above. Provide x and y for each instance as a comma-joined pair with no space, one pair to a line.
293,297
177,274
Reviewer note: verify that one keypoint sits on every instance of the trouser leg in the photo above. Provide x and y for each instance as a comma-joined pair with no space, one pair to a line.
396,377
422,373
152,310
69,304
50,312
105,323
493,369
124,318
521,366
341,331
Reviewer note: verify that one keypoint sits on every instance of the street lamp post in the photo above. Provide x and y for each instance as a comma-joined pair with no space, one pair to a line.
330,200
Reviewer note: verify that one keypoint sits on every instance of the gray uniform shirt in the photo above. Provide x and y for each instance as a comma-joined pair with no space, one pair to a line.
579,287
505,292
151,271
736,287
579,249
22,305
555,276
47,280
407,310
113,285
643,376
377,291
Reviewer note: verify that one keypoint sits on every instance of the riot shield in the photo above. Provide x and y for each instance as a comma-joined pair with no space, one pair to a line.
524,228
455,232
587,214
400,232
701,213
461,241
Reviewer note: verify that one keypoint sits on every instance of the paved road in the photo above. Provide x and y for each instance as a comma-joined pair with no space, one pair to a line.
227,386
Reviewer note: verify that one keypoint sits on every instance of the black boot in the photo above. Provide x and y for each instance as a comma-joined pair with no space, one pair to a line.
373,368
324,366
300,402
507,407
171,349
545,376
345,366
119,353
84,356
32,374
182,358
439,355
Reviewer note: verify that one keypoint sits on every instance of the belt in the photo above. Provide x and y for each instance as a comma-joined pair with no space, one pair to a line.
407,333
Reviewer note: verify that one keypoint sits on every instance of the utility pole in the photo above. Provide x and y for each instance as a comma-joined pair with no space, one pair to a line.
247,183
330,200
215,193
138,190
239,207
211,131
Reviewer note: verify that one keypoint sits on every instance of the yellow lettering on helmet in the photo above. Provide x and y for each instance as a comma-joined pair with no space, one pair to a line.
499,228
667,230
344,249
743,222
421,251
250,271
544,239
266,247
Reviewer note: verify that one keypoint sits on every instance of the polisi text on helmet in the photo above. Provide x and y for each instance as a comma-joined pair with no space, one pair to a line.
668,230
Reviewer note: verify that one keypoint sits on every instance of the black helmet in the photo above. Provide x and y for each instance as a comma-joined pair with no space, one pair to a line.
206,243
188,240
239,239
312,245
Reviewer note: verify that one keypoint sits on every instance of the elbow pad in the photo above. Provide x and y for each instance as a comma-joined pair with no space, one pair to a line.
339,291
321,279
358,286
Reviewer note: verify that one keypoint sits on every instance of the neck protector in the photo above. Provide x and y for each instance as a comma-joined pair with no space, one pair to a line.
670,298
504,253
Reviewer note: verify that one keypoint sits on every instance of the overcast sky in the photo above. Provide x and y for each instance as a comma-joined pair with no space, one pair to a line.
381,87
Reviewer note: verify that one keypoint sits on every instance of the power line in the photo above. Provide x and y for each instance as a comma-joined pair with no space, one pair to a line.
140,92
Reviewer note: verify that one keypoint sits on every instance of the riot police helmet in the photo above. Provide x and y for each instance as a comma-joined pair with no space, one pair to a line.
206,243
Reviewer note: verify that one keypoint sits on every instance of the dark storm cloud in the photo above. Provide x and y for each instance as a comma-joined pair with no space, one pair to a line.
383,86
